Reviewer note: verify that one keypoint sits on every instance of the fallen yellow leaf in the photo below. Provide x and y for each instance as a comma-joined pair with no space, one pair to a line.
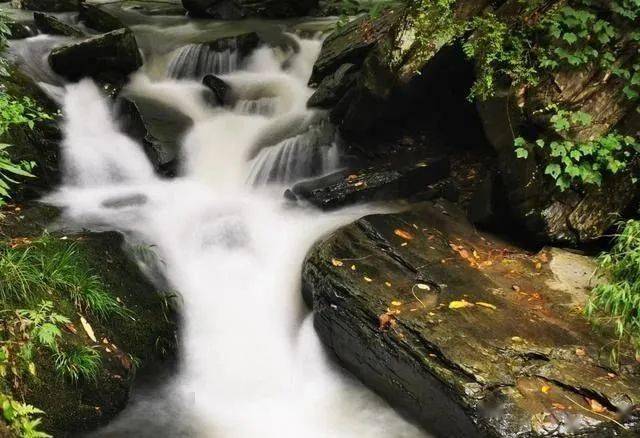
545,389
396,303
460,304
367,279
87,328
336,262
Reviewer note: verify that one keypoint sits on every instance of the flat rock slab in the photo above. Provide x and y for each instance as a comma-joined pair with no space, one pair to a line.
470,336
385,182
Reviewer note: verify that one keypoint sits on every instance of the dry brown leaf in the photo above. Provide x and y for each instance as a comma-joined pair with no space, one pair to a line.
595,406
402,233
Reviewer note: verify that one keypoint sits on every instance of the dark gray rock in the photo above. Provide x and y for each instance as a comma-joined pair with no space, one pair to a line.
350,43
132,123
221,90
373,184
52,26
333,87
50,5
20,31
237,9
98,18
422,308
110,57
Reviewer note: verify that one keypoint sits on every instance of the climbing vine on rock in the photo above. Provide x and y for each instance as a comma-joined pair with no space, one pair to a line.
579,35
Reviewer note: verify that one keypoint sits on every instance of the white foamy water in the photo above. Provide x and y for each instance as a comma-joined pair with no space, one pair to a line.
251,364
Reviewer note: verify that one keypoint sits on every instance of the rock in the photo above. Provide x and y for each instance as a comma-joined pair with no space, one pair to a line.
466,334
333,87
132,123
19,31
583,213
372,184
98,18
221,90
111,56
237,9
350,44
149,335
157,126
52,26
49,5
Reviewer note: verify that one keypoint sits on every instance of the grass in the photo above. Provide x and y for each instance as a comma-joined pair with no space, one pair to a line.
47,266
617,301
78,362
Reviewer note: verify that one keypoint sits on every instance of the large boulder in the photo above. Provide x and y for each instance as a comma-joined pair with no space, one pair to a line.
107,57
467,334
237,9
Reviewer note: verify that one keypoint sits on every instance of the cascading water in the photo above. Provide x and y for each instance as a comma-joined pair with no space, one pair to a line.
251,363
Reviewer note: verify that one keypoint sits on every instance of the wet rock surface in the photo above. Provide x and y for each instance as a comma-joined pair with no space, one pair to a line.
53,26
107,57
372,184
237,9
220,89
99,19
49,5
469,335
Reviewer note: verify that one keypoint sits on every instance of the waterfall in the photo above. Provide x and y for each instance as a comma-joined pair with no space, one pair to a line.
308,154
198,60
251,364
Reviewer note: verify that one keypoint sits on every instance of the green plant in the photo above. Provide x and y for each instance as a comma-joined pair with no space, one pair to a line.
47,267
29,330
585,162
14,111
502,54
78,362
617,301
573,35
22,418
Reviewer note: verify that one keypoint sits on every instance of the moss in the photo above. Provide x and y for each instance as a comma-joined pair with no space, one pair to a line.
147,336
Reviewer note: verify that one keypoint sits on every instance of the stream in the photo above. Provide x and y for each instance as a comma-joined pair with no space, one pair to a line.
221,233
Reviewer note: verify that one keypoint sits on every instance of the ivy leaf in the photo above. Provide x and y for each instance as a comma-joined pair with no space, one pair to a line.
554,170
570,37
522,153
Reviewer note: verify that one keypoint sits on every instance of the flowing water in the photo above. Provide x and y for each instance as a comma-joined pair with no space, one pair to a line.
251,364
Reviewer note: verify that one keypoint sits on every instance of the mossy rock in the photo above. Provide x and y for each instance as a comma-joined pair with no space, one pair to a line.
39,144
148,334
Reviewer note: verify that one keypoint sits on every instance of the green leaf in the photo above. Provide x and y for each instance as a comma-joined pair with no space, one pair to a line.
522,153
